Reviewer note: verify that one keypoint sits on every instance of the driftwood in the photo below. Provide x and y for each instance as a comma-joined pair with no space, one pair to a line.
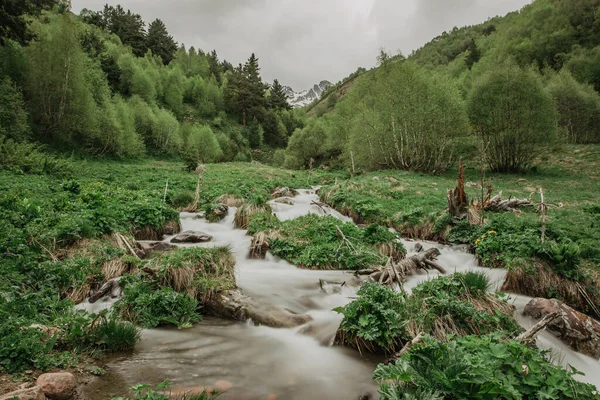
457,198
498,205
529,336
242,308
418,339
107,289
194,206
398,272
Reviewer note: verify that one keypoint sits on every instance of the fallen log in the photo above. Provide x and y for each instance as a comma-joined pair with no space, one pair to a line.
529,336
239,307
397,273
496,203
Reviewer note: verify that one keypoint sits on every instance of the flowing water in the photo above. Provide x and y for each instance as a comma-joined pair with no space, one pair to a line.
265,363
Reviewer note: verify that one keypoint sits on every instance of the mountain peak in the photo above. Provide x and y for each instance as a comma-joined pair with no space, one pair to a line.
305,97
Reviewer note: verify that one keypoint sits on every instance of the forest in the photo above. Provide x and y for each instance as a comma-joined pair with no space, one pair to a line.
171,228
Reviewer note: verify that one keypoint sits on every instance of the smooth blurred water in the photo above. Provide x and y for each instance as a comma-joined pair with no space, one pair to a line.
268,363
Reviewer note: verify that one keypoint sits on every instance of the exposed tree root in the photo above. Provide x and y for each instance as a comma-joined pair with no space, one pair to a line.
498,205
398,272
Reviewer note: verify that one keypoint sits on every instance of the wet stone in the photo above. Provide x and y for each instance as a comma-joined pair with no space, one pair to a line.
192,237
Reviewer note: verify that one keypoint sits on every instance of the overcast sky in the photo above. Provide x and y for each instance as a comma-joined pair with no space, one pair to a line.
302,42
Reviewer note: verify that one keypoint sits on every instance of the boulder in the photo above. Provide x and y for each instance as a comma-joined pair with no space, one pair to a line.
171,228
579,331
218,213
57,386
192,237
284,200
32,393
283,192
150,248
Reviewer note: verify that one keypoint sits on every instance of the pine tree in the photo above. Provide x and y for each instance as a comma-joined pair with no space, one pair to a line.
129,27
160,42
215,66
245,91
474,54
278,99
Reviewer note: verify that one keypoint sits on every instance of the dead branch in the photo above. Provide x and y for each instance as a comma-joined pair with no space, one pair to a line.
457,198
529,335
344,238
194,206
418,339
397,273
126,242
498,205
320,205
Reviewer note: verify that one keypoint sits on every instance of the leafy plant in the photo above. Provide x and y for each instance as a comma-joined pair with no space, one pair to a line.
150,306
146,392
474,367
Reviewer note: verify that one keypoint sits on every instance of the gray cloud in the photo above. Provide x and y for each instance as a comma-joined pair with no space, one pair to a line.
302,42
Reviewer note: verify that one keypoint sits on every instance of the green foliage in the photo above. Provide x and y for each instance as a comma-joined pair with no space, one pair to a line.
160,42
512,115
578,108
146,392
507,246
150,306
564,258
476,368
13,117
313,241
30,158
201,147
376,316
182,199
382,319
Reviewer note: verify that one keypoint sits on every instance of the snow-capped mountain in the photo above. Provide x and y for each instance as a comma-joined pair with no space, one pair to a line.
304,98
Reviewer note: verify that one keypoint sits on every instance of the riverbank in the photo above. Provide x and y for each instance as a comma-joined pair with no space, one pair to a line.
46,217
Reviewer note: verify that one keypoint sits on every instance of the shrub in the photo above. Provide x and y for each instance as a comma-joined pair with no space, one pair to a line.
202,147
375,321
383,320
404,118
182,199
150,306
578,107
115,335
474,367
512,114
146,392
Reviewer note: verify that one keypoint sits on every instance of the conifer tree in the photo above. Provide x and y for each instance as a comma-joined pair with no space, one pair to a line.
160,42
278,99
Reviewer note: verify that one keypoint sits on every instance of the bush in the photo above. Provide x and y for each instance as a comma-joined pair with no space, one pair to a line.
375,318
512,114
182,199
404,118
383,320
477,368
578,108
114,335
150,306
202,147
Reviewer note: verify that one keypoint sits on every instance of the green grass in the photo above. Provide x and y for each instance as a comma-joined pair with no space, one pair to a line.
315,242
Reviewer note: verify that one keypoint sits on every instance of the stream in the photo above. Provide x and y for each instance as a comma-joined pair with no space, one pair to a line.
257,362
